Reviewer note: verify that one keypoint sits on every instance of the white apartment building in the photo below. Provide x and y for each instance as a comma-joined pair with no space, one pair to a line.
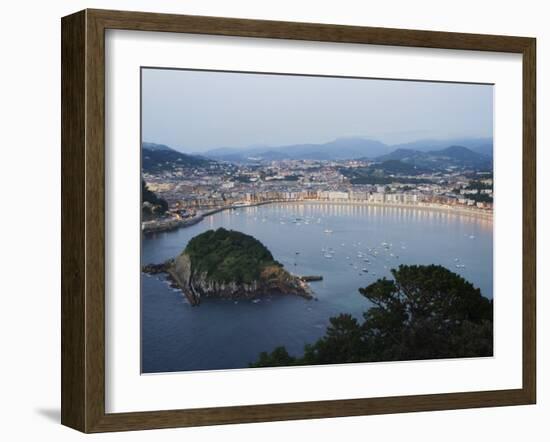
377,197
338,196
358,196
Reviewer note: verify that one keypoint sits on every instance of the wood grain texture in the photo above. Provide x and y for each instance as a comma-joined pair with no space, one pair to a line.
83,220
73,254
308,410
529,220
144,21
95,222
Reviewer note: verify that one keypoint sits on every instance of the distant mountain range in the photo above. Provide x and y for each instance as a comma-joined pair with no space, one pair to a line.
411,164
483,146
428,155
157,158
339,149
457,156
343,149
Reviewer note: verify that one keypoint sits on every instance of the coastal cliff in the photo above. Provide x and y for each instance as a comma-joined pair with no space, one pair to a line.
228,264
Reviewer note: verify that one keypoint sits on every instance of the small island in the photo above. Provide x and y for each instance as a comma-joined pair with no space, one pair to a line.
228,264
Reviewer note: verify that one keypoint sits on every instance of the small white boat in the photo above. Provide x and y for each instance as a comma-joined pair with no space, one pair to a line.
328,231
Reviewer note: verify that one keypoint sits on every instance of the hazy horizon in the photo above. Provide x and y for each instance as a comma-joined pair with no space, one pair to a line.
197,111
258,146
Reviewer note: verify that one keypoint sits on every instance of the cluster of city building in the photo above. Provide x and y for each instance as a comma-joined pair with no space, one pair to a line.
200,192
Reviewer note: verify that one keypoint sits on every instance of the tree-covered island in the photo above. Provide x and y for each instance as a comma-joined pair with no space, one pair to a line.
424,312
228,264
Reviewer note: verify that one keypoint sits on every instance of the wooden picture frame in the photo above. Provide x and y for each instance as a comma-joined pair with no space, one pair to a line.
83,220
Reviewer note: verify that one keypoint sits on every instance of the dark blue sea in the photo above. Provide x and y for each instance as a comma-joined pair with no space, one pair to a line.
349,245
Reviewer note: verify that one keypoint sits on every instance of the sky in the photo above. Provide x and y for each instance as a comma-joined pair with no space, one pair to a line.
195,111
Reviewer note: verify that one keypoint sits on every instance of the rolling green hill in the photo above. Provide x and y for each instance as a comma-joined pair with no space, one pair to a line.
157,158
453,156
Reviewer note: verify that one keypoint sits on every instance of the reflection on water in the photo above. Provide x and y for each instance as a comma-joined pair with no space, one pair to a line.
350,245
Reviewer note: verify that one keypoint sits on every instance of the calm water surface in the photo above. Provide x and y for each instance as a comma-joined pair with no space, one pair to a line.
224,334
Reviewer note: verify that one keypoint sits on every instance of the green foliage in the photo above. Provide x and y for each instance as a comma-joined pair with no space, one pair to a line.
454,156
342,343
158,158
292,177
478,185
158,205
277,358
383,173
425,312
242,178
229,256
399,167
481,198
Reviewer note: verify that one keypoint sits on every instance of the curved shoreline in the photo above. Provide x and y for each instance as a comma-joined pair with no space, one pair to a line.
160,226
479,213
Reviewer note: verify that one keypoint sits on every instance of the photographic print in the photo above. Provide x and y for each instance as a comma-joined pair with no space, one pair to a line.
297,220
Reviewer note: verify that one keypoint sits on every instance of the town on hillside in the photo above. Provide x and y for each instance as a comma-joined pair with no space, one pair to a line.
195,189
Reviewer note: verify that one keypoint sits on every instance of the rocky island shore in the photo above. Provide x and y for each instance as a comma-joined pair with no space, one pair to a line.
228,264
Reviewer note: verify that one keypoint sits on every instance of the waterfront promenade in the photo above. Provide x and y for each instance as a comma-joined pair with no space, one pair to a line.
167,224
